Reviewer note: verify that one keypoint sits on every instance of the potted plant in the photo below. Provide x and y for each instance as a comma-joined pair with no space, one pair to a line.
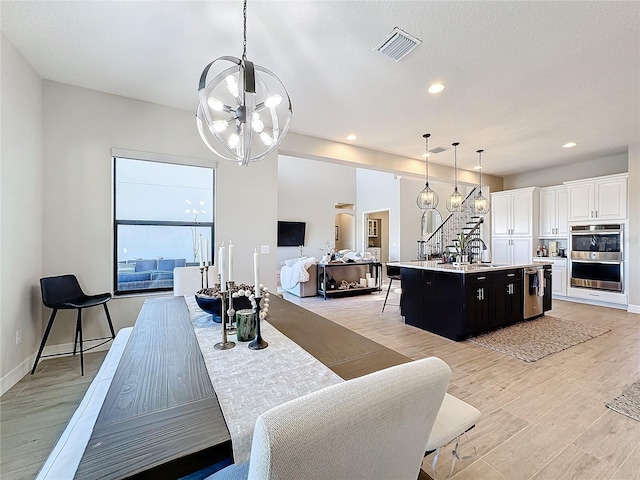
462,248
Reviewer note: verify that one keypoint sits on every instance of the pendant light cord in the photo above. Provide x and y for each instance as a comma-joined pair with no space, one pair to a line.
455,163
480,163
426,152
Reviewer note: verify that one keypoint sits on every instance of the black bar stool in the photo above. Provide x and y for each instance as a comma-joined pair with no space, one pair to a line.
393,273
64,293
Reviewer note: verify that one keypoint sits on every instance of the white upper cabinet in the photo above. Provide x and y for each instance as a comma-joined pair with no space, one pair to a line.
602,198
554,212
513,212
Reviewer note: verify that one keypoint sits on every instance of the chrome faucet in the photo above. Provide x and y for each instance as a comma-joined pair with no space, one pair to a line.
468,248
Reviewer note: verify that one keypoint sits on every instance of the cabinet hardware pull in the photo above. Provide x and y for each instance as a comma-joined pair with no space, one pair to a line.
511,274
479,296
596,213
482,278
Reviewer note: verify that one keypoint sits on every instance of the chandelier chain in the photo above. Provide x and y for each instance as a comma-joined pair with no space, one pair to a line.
244,43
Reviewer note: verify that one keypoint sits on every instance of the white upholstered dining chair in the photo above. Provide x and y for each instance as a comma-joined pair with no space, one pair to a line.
373,427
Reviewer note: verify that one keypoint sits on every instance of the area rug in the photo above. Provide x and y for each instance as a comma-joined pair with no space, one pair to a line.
535,339
628,403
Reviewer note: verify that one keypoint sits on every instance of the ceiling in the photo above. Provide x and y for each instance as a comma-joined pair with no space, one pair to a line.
523,77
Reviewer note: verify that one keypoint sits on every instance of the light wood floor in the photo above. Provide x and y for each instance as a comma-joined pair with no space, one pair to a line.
541,420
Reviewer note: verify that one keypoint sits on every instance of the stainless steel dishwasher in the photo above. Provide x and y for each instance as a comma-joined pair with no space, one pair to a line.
533,291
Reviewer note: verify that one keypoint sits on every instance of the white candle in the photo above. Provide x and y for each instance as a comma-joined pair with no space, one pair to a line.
221,255
206,254
230,261
200,252
256,281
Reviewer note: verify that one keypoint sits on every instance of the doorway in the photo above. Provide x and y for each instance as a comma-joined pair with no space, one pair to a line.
345,231
376,234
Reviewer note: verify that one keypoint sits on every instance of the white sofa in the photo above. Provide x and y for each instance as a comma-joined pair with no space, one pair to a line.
293,274
307,289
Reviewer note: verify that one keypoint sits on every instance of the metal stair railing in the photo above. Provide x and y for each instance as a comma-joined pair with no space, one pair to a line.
445,239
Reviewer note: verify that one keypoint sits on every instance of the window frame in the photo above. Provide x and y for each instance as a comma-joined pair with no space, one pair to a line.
156,158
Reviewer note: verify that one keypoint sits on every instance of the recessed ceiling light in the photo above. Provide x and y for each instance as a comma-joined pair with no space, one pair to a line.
425,155
477,167
569,144
351,137
436,88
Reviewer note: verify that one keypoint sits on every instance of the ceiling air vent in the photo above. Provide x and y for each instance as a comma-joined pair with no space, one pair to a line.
398,44
437,150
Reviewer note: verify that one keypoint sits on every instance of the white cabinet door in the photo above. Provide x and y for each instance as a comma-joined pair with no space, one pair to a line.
611,198
547,212
581,202
521,213
562,212
501,250
521,250
501,214
559,281
511,250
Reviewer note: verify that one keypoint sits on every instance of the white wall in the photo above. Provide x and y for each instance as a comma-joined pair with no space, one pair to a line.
556,175
307,192
21,202
377,191
81,127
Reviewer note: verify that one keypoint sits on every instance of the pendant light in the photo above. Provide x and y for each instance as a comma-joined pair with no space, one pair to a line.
427,198
481,204
244,112
454,203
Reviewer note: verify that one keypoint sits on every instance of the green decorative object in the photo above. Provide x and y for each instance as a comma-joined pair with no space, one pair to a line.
246,325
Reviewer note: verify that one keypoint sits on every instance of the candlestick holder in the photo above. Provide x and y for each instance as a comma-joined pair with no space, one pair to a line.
258,343
206,276
201,278
231,312
225,344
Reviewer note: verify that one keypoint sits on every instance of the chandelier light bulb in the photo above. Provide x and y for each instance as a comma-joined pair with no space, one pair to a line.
266,139
257,125
220,125
215,104
234,140
232,85
273,101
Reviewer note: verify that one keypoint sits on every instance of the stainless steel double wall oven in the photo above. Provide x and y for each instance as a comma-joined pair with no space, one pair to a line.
596,257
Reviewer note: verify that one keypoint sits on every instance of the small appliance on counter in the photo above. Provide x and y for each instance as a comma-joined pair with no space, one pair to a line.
553,249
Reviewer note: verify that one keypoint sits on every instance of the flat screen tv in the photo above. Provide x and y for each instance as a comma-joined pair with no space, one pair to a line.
291,234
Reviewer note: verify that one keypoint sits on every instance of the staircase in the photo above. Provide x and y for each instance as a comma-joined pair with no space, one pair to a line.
446,239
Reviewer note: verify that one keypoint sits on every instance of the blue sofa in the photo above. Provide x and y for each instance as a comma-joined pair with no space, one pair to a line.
143,274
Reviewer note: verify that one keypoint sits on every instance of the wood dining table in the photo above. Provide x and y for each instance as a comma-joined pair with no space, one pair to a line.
161,417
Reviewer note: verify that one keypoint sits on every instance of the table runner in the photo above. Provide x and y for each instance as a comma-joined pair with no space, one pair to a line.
250,382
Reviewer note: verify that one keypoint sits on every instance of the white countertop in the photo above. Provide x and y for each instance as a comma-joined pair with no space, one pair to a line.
464,268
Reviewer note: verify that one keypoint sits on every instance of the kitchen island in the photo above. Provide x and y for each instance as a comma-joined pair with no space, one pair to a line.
459,301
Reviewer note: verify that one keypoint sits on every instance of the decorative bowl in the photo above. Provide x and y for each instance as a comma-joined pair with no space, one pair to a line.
211,305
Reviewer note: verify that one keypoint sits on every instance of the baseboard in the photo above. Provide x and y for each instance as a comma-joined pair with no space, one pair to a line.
15,375
593,302
65,349
633,308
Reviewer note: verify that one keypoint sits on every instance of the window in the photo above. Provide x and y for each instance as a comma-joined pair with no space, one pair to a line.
163,218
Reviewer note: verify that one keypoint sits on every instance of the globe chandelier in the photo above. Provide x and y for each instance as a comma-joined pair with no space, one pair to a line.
244,111
455,201
427,198
481,204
